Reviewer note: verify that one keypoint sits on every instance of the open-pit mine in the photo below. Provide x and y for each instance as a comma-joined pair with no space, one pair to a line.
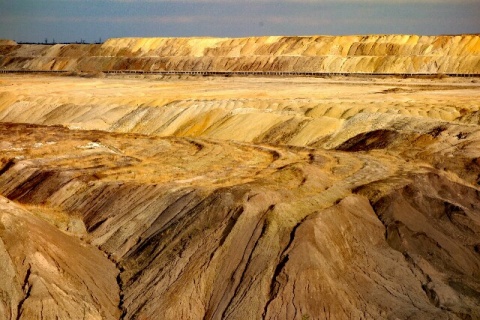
251,178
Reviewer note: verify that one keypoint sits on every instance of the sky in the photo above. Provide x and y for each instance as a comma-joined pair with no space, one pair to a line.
95,20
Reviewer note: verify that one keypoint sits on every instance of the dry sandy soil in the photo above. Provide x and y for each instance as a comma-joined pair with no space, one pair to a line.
239,198
450,54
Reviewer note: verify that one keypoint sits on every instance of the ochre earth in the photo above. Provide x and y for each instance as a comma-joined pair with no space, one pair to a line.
403,54
128,197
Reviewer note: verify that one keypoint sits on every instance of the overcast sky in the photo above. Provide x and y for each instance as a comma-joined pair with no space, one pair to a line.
73,20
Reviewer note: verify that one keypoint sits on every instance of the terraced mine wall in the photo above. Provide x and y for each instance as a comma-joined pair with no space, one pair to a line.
312,55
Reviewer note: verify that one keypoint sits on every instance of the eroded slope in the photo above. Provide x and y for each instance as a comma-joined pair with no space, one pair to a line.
246,198
261,237
47,274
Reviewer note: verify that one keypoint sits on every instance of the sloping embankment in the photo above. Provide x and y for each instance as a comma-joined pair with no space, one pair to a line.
382,54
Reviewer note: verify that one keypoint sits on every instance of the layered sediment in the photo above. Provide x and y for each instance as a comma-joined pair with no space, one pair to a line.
382,54
238,197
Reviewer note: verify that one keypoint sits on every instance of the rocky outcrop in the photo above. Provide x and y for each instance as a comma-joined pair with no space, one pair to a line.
382,54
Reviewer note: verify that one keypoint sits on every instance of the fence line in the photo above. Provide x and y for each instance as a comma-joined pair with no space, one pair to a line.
256,73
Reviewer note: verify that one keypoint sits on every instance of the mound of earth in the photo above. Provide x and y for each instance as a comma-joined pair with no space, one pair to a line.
7,42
